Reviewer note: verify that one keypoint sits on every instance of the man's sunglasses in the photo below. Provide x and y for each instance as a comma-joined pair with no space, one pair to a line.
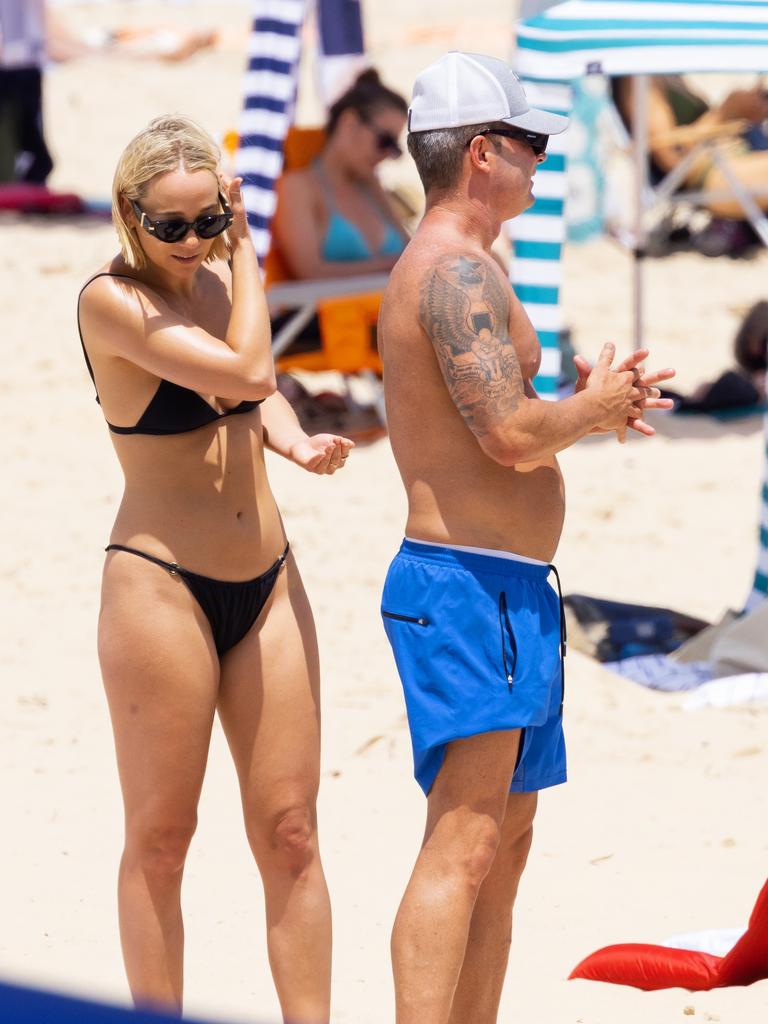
385,141
209,225
536,141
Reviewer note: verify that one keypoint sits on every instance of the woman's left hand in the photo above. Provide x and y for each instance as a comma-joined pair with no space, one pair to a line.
321,453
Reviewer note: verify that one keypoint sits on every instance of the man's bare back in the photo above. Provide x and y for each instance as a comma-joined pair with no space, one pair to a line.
478,367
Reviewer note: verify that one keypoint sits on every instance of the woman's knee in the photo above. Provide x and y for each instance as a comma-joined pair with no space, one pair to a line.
286,838
159,848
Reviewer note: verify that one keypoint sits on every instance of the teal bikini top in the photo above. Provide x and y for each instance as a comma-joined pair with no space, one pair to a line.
344,242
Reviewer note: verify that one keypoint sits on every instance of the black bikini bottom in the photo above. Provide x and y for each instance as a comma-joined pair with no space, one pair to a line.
231,606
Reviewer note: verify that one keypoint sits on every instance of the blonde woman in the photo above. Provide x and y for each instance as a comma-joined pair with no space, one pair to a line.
203,608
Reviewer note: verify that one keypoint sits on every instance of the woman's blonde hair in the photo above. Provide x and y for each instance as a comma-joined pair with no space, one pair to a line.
166,144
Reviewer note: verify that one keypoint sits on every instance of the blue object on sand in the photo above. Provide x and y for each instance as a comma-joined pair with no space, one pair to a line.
32,1006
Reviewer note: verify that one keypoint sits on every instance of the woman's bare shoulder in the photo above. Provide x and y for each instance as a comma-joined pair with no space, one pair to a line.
299,185
110,282
112,301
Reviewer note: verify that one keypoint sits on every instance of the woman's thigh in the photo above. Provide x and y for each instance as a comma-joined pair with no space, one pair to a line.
269,703
161,676
751,169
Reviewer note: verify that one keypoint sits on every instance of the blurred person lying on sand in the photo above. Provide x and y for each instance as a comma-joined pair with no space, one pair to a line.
31,34
476,629
203,609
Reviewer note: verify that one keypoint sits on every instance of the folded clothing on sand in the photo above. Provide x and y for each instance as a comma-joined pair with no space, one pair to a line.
614,630
660,672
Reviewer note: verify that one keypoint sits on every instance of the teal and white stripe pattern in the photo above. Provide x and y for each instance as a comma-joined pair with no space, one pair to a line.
644,37
760,585
538,236
274,48
612,37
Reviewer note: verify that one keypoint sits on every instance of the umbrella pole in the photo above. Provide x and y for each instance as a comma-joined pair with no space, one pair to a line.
640,149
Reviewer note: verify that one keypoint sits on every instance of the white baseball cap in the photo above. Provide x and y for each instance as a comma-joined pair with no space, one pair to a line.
471,88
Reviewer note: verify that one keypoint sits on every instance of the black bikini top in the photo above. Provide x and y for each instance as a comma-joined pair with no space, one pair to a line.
173,408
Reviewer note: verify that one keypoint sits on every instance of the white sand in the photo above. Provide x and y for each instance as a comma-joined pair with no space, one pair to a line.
662,827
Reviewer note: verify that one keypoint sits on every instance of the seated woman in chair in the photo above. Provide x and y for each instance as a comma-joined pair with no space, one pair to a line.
333,217
671,103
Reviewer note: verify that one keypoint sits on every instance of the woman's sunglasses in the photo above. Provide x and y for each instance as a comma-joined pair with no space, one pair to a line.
385,141
535,140
209,225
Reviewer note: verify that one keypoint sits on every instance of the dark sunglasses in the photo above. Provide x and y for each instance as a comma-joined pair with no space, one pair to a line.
537,142
209,225
385,141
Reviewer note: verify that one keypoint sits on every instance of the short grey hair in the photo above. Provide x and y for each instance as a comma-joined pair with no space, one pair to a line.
439,154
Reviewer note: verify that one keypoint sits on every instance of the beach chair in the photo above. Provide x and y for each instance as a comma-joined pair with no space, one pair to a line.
347,308
664,193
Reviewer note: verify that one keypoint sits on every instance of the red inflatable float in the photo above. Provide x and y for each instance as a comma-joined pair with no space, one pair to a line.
655,967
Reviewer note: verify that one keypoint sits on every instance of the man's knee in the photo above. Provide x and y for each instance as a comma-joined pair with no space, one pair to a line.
466,843
480,851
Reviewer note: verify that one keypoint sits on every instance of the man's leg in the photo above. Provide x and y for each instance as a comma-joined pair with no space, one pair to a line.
490,934
465,813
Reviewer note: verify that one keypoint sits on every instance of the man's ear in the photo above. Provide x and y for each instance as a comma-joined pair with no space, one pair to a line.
479,148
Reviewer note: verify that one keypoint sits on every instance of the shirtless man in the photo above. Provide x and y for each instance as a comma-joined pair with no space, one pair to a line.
476,629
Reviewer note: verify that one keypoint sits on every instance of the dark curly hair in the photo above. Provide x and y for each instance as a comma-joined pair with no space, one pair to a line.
751,342
365,96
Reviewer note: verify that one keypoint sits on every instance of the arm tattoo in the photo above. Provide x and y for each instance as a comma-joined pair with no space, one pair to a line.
465,311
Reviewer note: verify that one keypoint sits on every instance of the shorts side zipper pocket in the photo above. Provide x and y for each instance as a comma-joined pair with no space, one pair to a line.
506,630
417,620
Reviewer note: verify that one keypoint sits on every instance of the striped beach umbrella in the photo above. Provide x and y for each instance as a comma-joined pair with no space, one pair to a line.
271,78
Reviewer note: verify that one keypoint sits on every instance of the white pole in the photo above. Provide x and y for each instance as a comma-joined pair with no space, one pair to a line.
640,148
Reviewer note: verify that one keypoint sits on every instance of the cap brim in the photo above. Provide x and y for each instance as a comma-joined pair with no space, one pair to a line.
540,121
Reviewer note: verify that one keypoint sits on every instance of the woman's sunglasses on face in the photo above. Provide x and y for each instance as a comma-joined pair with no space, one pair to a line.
537,142
385,141
209,225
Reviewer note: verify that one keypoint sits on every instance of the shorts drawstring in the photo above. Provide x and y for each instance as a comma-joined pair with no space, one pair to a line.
563,636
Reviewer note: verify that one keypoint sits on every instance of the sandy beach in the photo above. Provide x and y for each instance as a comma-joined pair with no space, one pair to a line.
658,830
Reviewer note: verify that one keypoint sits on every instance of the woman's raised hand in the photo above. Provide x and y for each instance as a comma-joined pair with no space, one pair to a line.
238,230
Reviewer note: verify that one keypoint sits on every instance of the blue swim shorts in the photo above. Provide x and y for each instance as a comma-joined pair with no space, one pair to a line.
478,642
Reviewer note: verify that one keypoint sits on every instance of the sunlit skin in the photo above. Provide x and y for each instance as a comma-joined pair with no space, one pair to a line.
202,498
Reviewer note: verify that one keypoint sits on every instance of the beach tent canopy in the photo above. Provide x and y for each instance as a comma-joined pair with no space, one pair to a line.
643,37
634,37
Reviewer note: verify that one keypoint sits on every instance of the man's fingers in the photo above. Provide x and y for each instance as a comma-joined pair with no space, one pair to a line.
642,427
582,365
607,353
633,361
649,379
